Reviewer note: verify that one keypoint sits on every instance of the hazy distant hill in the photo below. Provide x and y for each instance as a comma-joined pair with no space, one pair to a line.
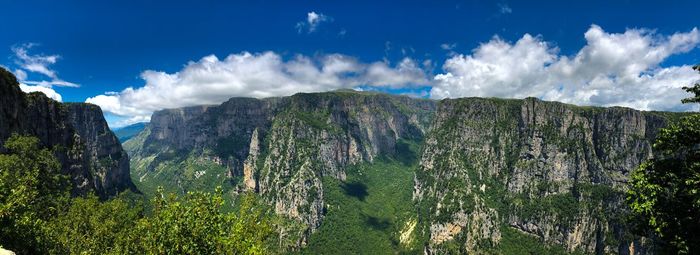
127,132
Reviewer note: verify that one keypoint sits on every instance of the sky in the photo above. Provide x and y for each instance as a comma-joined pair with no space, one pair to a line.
135,57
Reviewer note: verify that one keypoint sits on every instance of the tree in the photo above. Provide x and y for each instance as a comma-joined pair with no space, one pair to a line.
37,215
32,190
92,226
664,192
694,89
196,224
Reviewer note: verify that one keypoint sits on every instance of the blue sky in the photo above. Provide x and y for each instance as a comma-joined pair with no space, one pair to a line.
423,48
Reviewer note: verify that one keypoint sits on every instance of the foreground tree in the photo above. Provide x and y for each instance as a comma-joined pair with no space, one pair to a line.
91,226
32,190
196,224
695,89
664,192
37,215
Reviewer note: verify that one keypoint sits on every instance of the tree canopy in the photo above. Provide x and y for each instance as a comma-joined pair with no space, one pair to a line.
664,192
32,190
695,89
37,215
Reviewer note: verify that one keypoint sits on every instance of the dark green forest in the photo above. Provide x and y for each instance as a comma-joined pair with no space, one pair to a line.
38,215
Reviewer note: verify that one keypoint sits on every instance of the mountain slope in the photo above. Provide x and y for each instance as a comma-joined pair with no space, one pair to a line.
484,175
88,151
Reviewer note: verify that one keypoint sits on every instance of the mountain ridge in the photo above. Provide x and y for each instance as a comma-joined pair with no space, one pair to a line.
285,149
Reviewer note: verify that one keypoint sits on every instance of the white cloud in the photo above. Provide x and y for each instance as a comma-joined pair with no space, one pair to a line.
37,64
212,81
611,69
47,91
40,64
406,72
448,46
313,20
504,8
21,75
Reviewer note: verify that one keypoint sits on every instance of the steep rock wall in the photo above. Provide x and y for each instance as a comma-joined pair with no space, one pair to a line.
88,151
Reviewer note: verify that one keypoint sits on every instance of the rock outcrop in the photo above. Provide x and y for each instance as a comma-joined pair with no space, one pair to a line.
88,151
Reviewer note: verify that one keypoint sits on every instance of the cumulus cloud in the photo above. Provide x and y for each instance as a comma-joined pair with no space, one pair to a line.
313,20
49,92
612,69
212,80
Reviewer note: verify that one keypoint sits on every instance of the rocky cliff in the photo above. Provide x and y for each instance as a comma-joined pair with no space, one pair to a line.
491,174
278,147
548,170
88,151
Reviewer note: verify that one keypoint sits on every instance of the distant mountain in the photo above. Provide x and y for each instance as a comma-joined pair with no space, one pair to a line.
126,133
88,151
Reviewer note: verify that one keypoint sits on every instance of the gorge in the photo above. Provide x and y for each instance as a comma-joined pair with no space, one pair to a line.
477,174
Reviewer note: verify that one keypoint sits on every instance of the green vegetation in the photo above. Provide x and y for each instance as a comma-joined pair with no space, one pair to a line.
664,192
37,216
229,146
196,224
180,174
91,226
318,120
516,242
695,90
31,192
371,212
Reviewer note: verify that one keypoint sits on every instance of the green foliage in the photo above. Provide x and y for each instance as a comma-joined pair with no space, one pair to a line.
693,89
229,146
517,242
565,207
38,217
664,192
368,212
318,120
196,224
93,227
31,191
189,172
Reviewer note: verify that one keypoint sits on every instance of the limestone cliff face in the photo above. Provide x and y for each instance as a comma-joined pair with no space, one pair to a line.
88,151
319,135
102,154
282,147
550,170
225,130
